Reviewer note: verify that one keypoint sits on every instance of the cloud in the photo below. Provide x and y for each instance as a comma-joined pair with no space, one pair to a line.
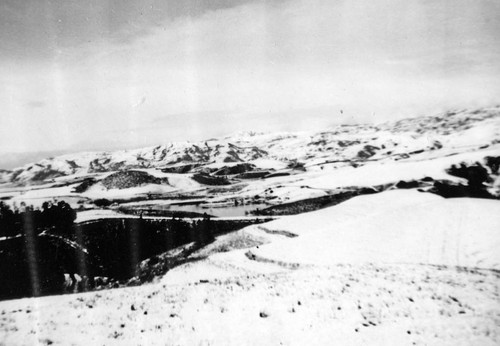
261,65
264,57
35,104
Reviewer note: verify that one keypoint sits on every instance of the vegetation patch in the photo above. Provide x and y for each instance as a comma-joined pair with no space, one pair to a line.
207,179
128,179
311,204
236,169
47,173
277,174
478,178
84,185
40,250
253,175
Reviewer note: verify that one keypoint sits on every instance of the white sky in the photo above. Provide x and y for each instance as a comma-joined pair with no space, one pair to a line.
78,75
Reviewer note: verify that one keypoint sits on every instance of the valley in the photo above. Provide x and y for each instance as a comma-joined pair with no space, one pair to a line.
247,171
377,229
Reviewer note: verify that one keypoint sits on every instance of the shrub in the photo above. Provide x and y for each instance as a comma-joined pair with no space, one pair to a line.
102,202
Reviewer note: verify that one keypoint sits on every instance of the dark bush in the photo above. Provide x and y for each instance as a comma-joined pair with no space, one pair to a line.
476,174
102,202
407,184
493,163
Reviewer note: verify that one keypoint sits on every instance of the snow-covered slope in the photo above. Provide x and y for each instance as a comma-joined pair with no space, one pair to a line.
366,272
274,168
401,226
446,134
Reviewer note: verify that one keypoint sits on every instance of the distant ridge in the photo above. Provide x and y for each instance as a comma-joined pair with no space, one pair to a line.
355,143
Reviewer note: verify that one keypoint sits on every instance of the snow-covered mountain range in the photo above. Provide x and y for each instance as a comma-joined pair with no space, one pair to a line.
449,133
271,169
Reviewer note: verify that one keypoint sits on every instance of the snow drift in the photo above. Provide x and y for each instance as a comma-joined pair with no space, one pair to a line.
401,226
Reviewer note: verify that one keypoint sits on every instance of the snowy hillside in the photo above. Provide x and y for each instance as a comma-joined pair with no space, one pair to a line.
395,268
415,228
257,172
370,242
447,133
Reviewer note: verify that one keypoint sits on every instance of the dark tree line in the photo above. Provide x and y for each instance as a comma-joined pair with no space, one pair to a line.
44,246
57,217
35,256
477,176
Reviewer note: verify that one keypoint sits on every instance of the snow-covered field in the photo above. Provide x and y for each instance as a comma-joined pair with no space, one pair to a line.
395,268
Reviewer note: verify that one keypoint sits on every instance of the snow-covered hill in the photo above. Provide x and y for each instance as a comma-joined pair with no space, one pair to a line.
395,268
388,264
262,170
447,133
415,227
